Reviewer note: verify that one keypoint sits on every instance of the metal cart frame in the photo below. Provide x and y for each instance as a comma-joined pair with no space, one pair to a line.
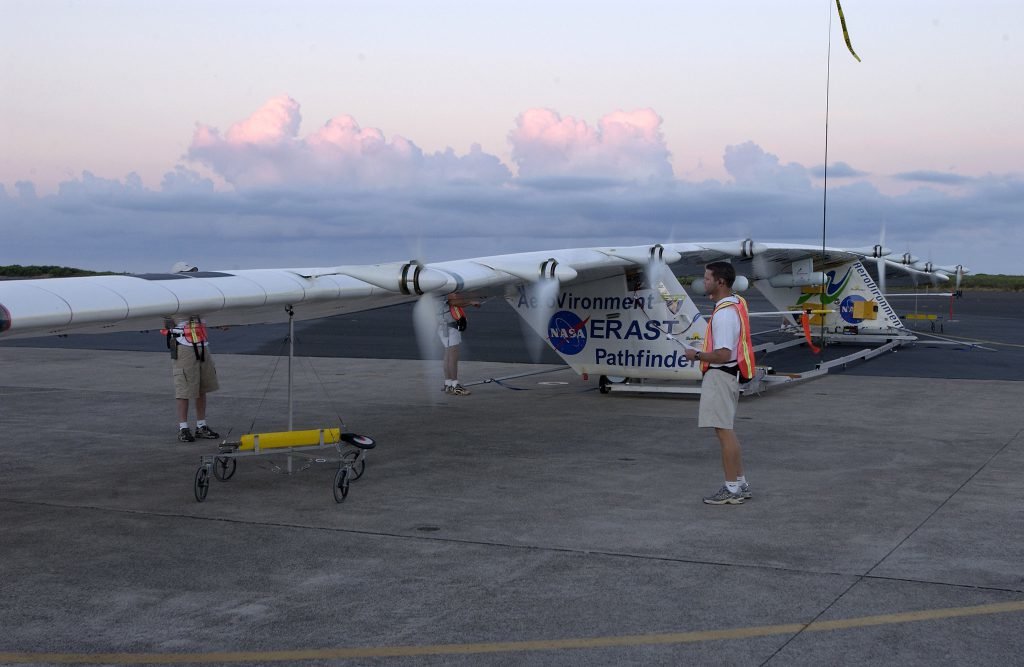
351,451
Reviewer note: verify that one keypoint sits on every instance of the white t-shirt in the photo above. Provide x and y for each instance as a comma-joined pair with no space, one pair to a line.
725,329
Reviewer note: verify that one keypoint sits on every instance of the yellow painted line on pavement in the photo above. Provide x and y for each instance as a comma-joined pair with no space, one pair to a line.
508,647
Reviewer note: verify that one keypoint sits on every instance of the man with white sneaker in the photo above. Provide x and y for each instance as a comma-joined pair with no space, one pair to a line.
726,356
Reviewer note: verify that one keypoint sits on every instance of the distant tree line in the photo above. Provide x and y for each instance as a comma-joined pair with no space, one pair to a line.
998,281
19,271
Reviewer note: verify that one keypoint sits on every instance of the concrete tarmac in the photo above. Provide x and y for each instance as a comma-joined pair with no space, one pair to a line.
536,521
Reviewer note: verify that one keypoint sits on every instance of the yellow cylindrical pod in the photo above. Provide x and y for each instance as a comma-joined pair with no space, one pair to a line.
289,439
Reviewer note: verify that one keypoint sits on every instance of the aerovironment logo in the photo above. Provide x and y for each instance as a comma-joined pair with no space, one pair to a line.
567,333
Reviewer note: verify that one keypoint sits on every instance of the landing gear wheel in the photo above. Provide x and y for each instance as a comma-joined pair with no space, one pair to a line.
357,464
603,384
341,482
224,467
202,485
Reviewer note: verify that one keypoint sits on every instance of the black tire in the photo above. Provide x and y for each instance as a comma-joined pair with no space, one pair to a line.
603,384
357,464
341,482
202,485
224,467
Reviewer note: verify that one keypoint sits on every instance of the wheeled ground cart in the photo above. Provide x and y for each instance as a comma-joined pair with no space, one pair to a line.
350,451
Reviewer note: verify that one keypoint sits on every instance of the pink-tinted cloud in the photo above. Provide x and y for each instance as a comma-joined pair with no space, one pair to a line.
276,121
624,145
265,150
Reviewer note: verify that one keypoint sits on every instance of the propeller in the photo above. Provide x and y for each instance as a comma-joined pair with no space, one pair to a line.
956,272
426,321
415,279
543,293
542,285
879,253
932,270
761,266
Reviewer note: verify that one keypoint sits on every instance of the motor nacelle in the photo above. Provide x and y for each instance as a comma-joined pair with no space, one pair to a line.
797,279
418,279
745,249
549,269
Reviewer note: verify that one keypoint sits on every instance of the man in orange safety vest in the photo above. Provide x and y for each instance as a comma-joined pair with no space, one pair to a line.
726,358
192,370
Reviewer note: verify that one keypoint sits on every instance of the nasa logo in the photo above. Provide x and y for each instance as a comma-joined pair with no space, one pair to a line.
567,333
846,308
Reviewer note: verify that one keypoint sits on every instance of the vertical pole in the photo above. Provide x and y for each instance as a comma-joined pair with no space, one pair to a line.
291,356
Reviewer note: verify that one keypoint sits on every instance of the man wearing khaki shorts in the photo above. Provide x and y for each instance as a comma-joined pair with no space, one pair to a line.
192,370
727,339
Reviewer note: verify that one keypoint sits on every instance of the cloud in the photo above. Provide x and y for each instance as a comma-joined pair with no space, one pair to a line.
26,189
349,194
265,151
623,146
183,180
936,177
836,170
750,166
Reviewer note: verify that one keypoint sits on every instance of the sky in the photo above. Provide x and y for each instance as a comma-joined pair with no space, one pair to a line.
254,134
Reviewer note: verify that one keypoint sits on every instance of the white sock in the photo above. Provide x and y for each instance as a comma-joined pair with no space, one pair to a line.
200,423
183,425
733,487
449,383
741,480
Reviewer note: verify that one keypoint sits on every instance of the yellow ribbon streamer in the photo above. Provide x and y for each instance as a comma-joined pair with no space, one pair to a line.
846,35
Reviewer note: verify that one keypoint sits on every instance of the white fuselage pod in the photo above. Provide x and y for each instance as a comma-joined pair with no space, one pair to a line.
608,327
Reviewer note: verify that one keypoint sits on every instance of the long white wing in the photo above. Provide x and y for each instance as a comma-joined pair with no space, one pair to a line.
149,301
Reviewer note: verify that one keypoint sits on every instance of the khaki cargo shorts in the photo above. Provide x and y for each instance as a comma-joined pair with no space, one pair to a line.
192,377
719,396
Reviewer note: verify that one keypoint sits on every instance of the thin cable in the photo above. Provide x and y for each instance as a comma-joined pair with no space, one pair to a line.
272,372
824,189
327,394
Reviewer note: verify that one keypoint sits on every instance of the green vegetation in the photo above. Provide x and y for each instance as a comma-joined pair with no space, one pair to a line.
18,271
1001,282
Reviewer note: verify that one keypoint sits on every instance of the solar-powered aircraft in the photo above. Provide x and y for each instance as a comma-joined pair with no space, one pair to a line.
613,312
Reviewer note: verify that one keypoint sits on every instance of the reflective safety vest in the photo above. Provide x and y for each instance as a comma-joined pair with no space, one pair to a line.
458,316
193,331
744,348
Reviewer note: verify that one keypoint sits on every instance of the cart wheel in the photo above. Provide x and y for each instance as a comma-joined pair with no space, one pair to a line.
341,485
357,464
202,485
224,467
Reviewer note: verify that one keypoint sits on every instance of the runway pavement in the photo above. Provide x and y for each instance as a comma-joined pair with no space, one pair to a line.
536,521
